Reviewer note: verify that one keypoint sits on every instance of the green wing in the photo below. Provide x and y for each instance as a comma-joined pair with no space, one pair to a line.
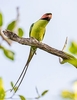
44,33
30,29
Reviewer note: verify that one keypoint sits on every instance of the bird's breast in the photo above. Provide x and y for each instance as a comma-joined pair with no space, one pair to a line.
38,33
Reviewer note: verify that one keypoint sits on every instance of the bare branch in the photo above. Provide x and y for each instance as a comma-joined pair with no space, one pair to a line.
33,42
60,59
18,13
16,21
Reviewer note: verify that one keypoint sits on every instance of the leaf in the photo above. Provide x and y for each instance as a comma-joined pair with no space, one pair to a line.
14,88
67,94
12,84
44,92
11,26
1,19
20,32
2,91
9,54
73,48
1,83
22,97
2,94
1,47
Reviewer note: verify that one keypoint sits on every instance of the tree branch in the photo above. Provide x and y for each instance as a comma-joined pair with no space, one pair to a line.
4,38
33,42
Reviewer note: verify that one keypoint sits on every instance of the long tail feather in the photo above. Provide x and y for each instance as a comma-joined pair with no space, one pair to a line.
32,52
21,77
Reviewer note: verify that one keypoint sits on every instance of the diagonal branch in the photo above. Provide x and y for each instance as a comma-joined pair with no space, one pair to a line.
33,42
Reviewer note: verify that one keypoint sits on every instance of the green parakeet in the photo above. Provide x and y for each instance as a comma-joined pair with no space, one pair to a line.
37,31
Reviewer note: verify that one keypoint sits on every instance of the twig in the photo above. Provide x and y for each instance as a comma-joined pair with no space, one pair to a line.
60,59
17,20
33,42
37,92
18,14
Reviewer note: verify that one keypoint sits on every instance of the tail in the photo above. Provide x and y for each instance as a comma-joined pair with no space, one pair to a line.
32,52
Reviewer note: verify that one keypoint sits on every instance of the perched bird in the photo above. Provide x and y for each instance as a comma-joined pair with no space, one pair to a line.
37,31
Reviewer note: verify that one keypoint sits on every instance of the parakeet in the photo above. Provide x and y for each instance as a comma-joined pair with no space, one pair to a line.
37,31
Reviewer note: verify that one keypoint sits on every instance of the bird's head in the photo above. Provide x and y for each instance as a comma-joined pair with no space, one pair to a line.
47,16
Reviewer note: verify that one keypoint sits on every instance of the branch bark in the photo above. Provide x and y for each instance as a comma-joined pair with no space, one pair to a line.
4,38
33,42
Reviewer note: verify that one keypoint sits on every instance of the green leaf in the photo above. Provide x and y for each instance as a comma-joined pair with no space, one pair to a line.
1,47
11,26
9,54
1,82
2,94
67,94
20,32
14,88
73,48
44,92
12,84
2,91
1,19
22,97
